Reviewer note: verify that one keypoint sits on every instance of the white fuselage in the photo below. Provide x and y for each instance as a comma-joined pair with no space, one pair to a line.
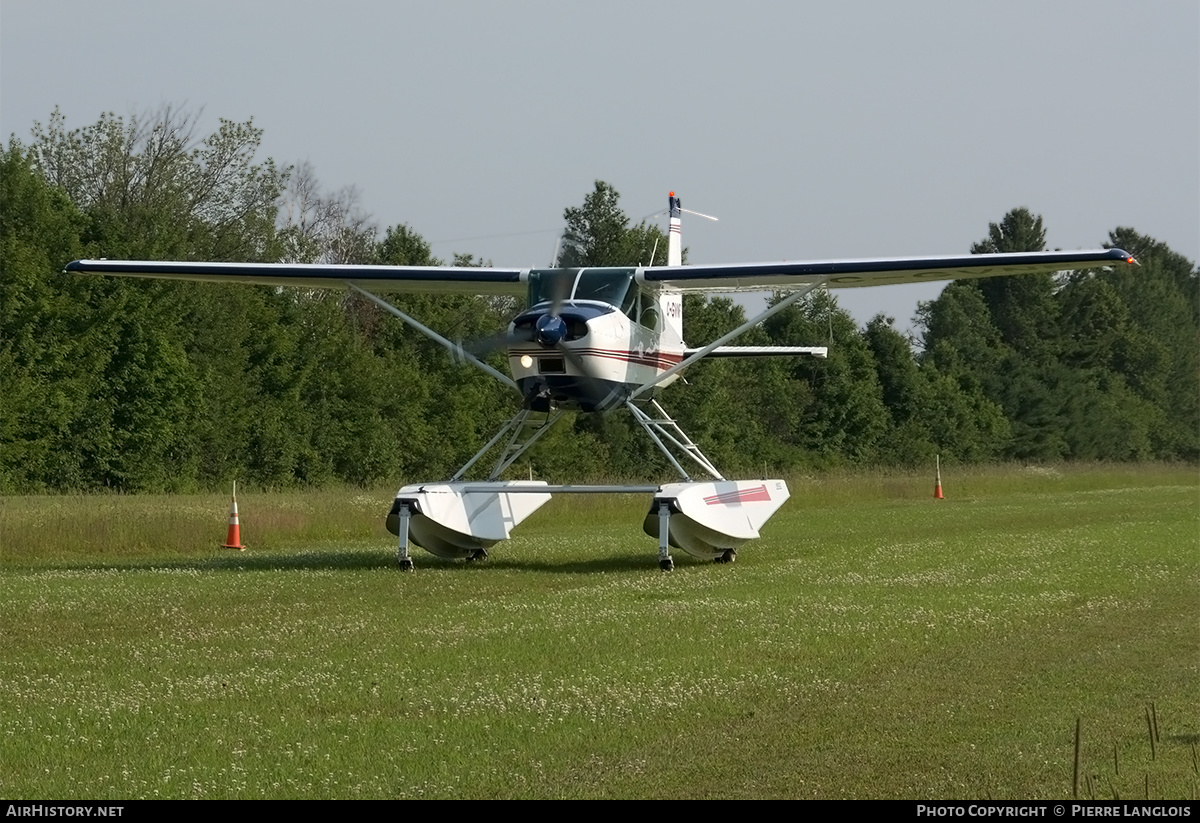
620,333
608,351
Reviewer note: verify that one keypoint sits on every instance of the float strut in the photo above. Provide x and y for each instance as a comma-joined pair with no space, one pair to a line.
406,562
664,544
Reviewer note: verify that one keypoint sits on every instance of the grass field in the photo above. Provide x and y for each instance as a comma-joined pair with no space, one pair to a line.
874,643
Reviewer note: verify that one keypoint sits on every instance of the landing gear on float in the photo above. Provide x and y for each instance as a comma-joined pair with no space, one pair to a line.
403,519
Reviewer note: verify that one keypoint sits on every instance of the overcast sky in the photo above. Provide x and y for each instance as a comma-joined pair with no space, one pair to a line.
812,130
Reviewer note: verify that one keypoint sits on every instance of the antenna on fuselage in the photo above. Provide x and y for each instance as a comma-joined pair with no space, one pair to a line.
653,250
700,214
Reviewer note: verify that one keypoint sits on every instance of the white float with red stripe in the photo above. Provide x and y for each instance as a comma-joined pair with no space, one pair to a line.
710,520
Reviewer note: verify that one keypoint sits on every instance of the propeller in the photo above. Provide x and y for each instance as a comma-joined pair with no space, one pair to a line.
561,281
483,346
550,331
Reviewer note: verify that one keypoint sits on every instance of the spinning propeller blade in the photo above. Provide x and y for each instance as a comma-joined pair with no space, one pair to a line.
561,283
550,331
482,346
598,394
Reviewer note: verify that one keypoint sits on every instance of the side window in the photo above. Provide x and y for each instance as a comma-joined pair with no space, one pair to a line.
631,303
649,316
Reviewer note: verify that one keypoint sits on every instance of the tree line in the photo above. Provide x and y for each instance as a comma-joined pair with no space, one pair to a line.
138,385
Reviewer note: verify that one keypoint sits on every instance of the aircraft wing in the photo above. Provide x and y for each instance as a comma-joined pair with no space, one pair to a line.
844,274
732,277
465,280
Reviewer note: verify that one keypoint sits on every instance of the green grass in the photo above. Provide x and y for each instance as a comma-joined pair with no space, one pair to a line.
875,643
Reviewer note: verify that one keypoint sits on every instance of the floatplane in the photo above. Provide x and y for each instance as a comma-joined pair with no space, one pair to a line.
593,340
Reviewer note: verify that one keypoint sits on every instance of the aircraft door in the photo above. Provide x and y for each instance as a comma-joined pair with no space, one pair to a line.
670,308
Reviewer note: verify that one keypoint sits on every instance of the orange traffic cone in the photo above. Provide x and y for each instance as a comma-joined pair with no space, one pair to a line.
937,489
233,539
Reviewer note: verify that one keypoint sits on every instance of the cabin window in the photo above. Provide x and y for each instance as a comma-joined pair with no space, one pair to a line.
649,317
613,286
548,285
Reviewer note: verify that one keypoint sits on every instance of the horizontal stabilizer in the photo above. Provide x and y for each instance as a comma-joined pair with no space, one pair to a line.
820,352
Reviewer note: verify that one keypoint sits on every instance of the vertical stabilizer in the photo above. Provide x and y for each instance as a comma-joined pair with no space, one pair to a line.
670,303
675,234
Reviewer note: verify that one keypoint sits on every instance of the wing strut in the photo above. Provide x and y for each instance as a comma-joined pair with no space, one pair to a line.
456,350
745,327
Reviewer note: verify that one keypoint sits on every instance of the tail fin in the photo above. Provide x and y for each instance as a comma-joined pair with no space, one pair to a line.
675,234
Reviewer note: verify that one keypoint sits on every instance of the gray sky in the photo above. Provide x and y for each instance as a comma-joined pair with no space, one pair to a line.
855,129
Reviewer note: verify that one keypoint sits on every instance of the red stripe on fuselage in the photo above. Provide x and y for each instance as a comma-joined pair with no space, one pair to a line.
657,359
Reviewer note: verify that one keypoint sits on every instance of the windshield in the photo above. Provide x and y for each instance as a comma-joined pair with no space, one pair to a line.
612,286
